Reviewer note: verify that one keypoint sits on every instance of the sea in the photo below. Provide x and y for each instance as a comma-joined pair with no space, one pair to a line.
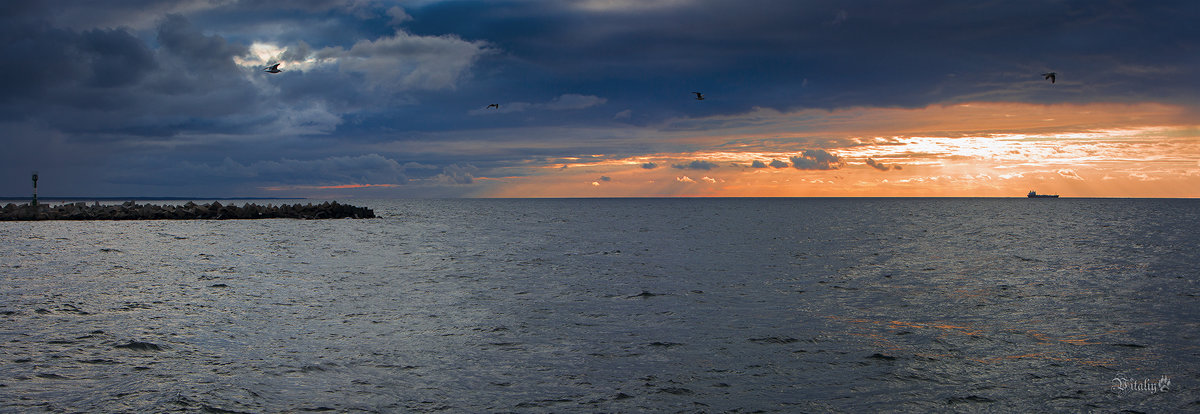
694,305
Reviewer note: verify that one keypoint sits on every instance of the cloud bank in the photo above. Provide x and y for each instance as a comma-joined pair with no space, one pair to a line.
169,97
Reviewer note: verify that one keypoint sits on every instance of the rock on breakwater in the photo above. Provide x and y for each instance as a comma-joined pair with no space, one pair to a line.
190,211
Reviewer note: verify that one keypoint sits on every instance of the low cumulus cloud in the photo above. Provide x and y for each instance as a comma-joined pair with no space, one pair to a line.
696,165
778,164
816,160
881,166
758,164
649,166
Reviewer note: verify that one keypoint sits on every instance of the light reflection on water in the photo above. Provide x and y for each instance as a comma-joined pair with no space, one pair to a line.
611,305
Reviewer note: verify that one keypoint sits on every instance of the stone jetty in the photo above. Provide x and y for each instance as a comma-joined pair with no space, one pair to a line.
190,211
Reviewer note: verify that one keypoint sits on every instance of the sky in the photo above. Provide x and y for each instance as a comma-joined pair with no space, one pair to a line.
390,99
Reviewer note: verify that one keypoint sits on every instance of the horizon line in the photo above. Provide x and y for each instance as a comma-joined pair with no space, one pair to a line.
176,198
107,198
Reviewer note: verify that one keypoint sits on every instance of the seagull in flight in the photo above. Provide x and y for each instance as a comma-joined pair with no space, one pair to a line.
272,69
1050,76
699,96
497,106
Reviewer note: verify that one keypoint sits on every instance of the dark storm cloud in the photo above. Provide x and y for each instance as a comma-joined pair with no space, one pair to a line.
149,102
114,58
36,59
788,54
180,39
816,160
107,83
758,164
649,166
696,165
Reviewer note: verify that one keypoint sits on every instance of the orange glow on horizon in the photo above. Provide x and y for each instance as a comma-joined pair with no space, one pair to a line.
963,150
968,150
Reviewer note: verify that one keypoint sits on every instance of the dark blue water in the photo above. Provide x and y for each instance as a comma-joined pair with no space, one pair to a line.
693,305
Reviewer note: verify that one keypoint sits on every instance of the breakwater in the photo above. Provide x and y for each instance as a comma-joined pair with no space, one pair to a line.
189,211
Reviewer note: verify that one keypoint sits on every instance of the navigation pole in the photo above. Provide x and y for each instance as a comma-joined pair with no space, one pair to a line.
35,188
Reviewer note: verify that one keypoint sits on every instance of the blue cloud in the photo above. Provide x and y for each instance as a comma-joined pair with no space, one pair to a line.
816,160
696,165
881,166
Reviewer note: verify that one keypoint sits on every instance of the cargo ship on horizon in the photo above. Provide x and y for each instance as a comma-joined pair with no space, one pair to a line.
1034,194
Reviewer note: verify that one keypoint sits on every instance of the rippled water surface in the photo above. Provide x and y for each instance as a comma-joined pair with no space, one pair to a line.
693,305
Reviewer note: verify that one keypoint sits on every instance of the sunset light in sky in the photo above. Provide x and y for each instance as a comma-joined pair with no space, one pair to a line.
584,98
991,150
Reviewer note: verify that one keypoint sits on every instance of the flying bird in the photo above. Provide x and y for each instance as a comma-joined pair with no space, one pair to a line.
272,69
497,106
699,96
1050,76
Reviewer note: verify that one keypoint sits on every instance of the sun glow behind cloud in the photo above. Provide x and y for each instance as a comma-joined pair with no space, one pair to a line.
981,149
